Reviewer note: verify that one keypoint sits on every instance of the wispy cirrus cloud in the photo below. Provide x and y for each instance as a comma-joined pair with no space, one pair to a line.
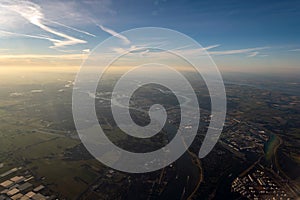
252,51
253,54
33,13
114,33
294,50
187,47
249,52
211,47
263,55
8,33
44,56
87,51
72,28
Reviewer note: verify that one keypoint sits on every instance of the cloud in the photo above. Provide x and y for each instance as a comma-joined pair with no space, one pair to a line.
294,50
119,50
67,50
187,49
192,51
41,37
72,28
237,51
86,50
33,14
114,33
263,55
143,53
253,54
44,56
211,47
42,59
8,33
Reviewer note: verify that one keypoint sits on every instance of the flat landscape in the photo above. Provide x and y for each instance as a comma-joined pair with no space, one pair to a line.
39,138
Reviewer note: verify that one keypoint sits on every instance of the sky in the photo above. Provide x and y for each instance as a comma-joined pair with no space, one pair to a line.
241,36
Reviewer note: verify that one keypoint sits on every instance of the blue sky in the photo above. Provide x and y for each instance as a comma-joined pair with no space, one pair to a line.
246,35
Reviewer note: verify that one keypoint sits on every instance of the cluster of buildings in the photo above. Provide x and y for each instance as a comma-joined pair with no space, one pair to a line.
244,138
21,187
257,184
